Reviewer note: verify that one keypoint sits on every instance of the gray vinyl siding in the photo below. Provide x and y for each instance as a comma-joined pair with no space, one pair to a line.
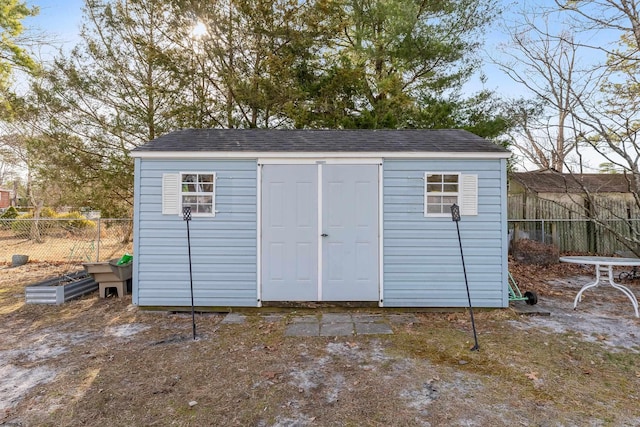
223,248
421,255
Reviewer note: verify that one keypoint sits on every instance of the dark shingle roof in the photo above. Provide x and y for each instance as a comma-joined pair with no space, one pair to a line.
555,182
256,140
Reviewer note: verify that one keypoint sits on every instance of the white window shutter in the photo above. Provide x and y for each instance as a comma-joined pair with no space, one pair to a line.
469,196
170,194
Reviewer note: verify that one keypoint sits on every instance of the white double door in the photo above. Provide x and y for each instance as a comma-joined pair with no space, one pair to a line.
320,232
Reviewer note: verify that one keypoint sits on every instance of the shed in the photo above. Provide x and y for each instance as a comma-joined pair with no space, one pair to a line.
320,215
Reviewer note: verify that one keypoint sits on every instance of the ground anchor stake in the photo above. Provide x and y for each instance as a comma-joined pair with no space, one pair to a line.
455,216
186,215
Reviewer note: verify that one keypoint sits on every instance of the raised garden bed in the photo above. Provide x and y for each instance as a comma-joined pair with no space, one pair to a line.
60,289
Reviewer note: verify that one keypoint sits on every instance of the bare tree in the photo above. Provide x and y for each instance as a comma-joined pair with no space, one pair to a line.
546,64
594,104
609,123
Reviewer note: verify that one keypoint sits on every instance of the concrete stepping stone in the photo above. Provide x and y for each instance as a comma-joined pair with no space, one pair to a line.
336,329
303,330
305,319
367,318
373,329
234,319
336,318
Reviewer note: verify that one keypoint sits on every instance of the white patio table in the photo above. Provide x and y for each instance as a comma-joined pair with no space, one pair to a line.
604,270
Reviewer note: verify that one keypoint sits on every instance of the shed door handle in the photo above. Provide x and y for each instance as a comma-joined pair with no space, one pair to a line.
324,235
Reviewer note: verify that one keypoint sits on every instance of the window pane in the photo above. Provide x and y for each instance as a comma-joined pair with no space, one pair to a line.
204,208
434,188
450,178
434,178
450,188
189,200
188,177
207,188
434,200
434,209
205,200
449,200
192,206
205,178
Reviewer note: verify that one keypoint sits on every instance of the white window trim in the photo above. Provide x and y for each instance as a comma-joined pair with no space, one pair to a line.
456,194
213,193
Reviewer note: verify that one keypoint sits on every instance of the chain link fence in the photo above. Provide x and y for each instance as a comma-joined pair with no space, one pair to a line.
71,241
578,235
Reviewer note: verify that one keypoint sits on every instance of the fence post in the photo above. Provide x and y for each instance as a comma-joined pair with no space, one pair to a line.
554,233
544,232
98,243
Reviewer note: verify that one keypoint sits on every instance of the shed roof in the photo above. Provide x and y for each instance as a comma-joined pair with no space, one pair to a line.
307,140
549,181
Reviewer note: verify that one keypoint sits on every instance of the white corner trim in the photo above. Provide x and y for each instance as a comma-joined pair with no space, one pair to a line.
259,236
320,231
380,236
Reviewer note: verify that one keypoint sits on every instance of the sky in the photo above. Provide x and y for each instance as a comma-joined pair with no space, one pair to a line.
61,21
58,17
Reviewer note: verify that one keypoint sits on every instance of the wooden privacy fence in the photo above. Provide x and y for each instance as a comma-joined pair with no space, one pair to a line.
575,235
575,225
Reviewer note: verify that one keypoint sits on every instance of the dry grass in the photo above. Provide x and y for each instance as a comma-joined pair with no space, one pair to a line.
117,365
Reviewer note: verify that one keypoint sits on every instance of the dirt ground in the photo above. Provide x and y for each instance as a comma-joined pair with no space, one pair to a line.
104,362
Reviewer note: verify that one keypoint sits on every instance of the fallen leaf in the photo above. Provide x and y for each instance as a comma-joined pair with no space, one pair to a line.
270,374
533,376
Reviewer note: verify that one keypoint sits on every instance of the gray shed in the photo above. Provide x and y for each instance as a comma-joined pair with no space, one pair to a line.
320,215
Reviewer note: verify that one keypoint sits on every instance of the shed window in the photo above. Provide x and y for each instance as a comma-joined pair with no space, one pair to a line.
197,190
443,189
441,192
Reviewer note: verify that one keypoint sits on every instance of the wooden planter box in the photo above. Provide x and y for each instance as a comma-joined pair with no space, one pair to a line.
60,289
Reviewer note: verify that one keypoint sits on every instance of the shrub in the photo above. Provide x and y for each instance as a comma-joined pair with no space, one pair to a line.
76,221
10,213
47,212
69,223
